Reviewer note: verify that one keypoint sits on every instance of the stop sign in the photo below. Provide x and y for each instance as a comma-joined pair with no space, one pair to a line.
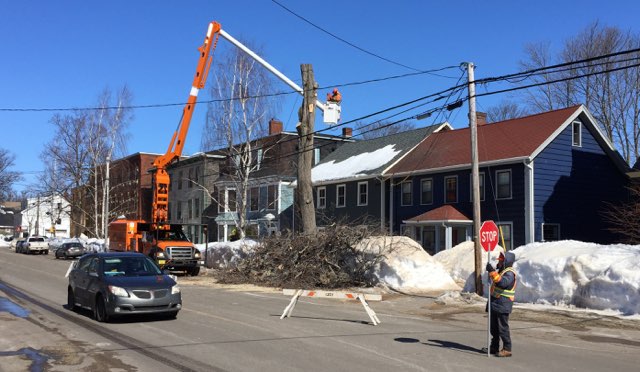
488,235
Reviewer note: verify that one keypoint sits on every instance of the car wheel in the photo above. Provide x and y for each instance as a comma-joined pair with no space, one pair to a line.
71,300
65,256
46,252
100,310
172,315
194,271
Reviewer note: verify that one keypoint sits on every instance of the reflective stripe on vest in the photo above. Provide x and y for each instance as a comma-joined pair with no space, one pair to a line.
508,293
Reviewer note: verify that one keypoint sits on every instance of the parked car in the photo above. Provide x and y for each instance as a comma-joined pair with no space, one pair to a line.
70,250
18,245
121,283
35,244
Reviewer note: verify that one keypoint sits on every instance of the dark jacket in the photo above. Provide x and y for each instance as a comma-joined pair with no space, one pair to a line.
505,279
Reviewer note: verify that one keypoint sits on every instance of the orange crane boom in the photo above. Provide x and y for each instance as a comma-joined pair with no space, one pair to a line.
160,205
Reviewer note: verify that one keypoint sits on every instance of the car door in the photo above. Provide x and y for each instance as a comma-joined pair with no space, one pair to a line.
94,280
85,278
77,279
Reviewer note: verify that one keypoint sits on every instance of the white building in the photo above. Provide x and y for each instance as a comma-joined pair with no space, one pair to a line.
47,216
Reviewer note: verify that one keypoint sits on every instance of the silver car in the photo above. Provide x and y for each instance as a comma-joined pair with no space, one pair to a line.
122,283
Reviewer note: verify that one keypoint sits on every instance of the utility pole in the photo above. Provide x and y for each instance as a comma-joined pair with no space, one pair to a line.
305,128
105,198
475,178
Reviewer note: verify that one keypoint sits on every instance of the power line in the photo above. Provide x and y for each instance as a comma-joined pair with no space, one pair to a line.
343,40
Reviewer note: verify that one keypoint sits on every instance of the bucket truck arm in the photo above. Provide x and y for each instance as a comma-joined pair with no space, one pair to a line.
160,203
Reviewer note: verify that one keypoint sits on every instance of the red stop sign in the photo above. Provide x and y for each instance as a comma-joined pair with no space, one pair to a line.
488,235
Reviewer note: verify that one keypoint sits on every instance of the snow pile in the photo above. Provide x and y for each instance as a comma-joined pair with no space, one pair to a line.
226,254
580,274
407,268
459,261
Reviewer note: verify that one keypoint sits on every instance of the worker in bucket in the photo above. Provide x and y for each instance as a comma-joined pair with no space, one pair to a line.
503,289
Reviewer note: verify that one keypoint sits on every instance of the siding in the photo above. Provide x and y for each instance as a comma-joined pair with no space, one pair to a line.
573,186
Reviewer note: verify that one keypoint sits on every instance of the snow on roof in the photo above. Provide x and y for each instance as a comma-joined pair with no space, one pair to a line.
354,166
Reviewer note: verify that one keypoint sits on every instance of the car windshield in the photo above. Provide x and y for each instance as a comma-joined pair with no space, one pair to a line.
130,266
70,245
173,235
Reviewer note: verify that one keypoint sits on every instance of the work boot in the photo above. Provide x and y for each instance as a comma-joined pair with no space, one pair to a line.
504,353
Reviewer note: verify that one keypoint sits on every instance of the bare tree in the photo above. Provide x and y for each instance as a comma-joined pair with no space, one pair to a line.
7,177
381,128
74,159
236,119
505,110
612,96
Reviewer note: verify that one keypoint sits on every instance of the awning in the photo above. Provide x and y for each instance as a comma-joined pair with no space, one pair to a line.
446,214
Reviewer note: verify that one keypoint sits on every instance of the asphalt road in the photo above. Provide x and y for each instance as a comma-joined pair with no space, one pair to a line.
224,329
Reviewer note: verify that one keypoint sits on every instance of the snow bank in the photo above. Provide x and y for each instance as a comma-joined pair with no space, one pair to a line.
226,254
407,267
459,262
580,274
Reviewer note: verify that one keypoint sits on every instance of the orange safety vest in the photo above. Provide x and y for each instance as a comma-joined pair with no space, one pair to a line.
508,293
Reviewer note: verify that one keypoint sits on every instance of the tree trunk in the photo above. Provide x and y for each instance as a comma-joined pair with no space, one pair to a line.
305,156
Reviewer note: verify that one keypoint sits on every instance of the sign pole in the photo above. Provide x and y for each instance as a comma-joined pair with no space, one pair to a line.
488,308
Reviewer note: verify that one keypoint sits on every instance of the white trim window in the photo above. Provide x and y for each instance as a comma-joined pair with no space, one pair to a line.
576,134
254,199
506,229
341,196
503,184
426,191
272,197
406,193
321,197
451,189
363,193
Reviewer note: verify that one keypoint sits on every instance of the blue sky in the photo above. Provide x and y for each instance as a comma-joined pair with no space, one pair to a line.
62,54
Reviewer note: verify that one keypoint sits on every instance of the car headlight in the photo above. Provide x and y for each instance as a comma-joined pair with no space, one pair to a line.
175,289
120,292
160,255
197,254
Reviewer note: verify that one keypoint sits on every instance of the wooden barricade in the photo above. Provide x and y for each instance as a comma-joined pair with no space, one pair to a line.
363,297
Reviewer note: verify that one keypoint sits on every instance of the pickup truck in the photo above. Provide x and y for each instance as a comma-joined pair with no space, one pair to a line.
35,244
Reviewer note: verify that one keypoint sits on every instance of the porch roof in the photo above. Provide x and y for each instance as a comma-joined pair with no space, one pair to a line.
446,213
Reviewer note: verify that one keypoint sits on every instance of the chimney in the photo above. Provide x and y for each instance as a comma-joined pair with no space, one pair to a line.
481,118
275,126
347,132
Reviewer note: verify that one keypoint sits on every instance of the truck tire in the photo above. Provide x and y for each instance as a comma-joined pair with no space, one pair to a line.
194,271
46,251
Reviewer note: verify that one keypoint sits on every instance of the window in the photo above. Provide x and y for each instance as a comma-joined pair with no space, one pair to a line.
221,201
179,180
231,200
363,193
272,196
407,197
179,210
451,189
550,232
481,186
503,184
260,153
576,128
426,191
197,175
197,207
316,155
505,234
190,208
254,198
190,180
341,196
321,197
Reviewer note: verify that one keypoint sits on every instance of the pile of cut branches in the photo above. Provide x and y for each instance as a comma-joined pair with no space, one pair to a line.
327,259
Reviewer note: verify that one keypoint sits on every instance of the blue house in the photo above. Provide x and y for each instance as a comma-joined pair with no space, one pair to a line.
543,177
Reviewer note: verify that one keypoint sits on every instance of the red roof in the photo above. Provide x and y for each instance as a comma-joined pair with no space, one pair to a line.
444,213
502,140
